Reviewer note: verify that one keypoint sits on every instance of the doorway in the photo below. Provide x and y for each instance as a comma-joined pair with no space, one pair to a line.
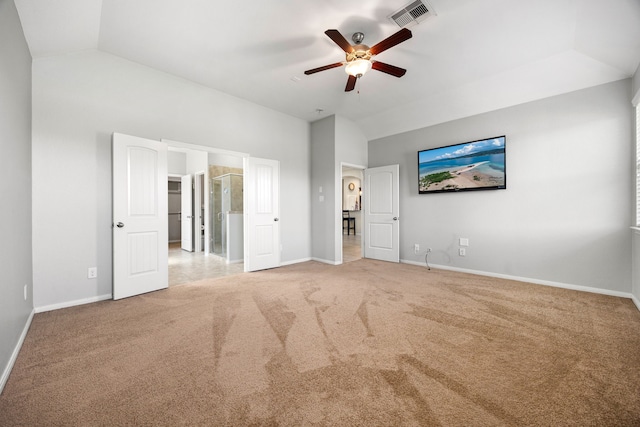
351,206
197,261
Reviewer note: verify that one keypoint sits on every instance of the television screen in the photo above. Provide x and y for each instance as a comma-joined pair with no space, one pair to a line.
474,165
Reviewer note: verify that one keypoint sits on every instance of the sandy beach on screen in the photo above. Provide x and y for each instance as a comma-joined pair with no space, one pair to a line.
466,177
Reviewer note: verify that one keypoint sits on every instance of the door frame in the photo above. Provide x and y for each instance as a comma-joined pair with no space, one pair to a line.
338,217
177,146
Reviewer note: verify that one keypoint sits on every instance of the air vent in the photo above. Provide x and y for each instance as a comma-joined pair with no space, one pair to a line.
412,14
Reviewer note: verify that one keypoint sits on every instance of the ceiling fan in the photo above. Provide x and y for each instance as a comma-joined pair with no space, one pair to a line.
358,56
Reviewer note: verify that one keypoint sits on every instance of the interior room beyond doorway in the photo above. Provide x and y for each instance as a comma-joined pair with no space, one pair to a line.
352,178
197,233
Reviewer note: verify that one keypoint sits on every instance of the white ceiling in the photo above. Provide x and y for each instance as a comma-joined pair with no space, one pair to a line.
474,56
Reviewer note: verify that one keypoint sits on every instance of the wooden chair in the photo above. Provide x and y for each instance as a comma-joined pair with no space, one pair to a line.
350,222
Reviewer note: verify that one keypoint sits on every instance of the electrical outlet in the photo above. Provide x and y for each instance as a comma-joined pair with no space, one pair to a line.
416,248
92,272
462,252
464,241
25,292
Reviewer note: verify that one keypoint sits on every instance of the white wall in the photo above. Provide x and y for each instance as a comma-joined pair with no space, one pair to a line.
176,163
197,161
78,101
351,144
15,186
350,198
225,160
565,216
636,84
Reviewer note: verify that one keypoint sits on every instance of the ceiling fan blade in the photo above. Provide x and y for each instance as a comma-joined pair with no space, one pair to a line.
326,67
351,83
397,38
389,69
339,40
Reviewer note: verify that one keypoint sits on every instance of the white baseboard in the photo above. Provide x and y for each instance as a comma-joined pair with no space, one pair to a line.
12,360
325,261
72,303
635,301
528,280
295,261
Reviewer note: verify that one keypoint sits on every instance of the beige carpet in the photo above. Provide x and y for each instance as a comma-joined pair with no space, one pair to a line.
363,344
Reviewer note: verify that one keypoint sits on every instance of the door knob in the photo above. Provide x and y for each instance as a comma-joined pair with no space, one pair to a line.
119,225
395,218
276,219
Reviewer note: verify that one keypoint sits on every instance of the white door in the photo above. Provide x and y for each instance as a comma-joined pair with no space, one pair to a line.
198,224
382,213
186,213
262,214
140,216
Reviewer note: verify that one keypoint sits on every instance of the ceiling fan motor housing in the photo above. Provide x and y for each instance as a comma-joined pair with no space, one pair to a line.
357,37
360,51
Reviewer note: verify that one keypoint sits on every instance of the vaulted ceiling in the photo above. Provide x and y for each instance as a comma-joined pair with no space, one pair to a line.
471,57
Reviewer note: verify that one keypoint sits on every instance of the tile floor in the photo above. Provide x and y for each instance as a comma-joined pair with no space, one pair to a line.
185,267
351,248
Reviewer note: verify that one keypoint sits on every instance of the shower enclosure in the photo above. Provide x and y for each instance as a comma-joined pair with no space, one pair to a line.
225,206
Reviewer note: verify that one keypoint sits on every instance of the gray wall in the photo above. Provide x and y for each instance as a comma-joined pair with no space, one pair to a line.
323,152
635,291
335,141
79,100
565,215
15,184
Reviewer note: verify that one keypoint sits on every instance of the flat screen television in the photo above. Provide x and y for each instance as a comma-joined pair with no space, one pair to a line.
470,166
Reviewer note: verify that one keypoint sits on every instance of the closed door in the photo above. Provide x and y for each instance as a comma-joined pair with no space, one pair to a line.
382,213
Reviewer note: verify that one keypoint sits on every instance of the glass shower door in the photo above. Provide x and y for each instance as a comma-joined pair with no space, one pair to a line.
217,241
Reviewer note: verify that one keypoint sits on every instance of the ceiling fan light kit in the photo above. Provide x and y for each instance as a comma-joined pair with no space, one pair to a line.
358,57
358,67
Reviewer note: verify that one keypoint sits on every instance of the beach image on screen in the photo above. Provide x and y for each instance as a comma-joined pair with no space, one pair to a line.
474,165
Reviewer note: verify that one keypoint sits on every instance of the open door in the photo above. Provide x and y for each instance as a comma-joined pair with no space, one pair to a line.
382,213
186,213
262,214
140,216
198,213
